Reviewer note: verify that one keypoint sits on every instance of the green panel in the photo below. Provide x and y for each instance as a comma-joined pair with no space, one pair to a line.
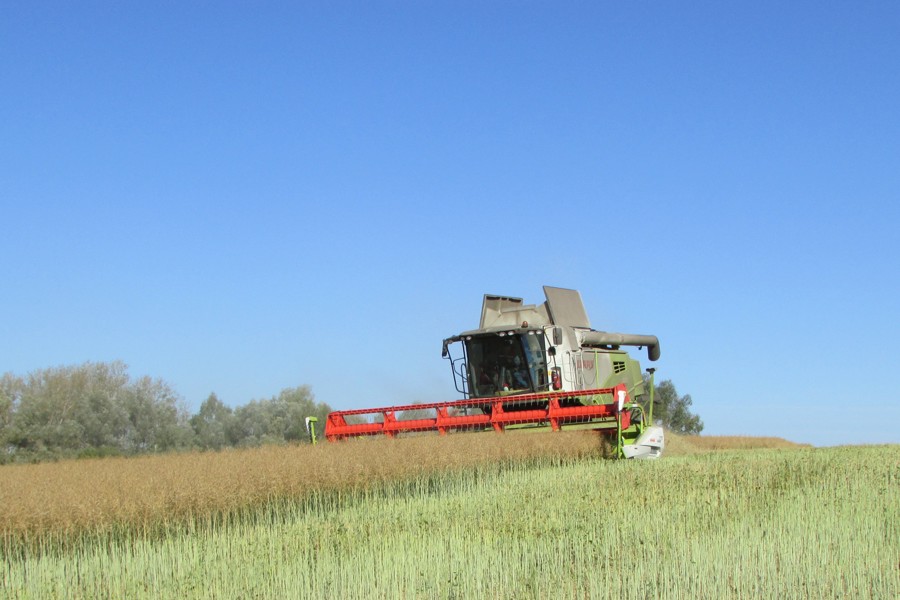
624,369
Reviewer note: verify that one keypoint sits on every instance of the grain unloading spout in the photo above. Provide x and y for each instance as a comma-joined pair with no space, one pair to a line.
603,338
566,308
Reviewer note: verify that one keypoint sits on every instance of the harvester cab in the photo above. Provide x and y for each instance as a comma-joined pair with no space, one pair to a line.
521,348
534,366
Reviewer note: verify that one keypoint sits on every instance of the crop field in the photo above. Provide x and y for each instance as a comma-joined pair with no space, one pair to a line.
467,516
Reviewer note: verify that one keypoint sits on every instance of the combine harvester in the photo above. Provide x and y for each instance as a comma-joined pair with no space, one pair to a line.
532,366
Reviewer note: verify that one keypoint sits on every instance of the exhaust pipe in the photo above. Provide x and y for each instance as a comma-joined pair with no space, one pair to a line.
603,338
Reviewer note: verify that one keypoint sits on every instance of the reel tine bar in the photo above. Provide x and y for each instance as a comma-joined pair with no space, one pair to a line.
526,409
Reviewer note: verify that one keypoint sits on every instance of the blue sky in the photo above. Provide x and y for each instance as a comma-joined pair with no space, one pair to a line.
243,197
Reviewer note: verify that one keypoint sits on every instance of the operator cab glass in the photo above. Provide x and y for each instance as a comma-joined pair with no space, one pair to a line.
508,364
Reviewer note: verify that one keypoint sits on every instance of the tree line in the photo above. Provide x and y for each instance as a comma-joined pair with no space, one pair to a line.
673,411
98,409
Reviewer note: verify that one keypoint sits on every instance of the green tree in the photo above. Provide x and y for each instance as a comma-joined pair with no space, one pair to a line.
88,409
251,425
158,420
97,390
68,409
673,411
417,413
292,406
212,424
10,393
277,420
96,408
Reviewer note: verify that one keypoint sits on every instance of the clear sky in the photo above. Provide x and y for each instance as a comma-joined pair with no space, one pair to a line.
244,197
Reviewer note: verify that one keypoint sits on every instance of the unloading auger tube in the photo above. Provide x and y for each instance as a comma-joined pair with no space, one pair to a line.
529,366
604,339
